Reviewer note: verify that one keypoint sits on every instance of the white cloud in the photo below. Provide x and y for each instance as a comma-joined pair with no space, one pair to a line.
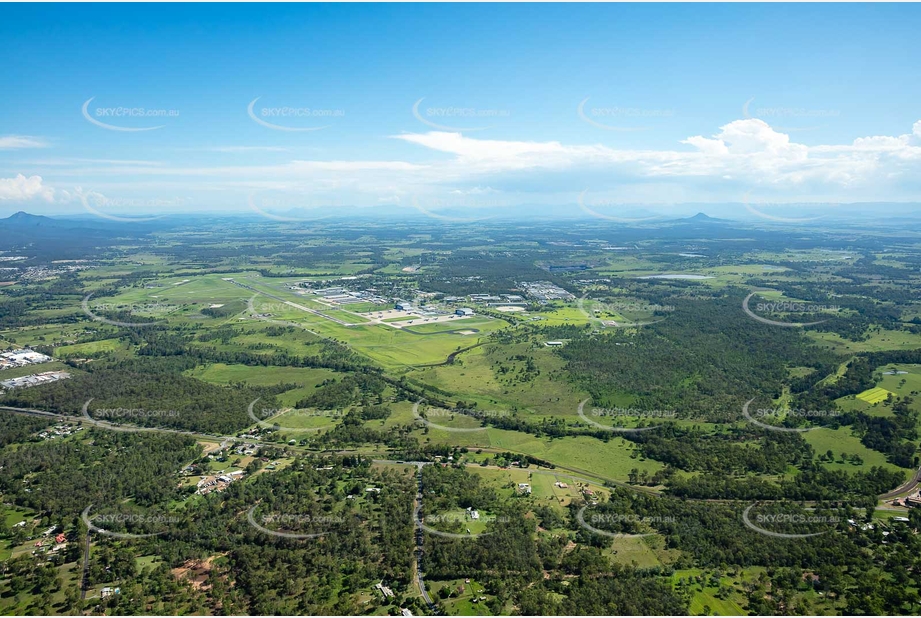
739,156
22,189
748,151
12,142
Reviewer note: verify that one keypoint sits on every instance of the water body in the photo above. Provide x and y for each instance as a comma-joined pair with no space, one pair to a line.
679,276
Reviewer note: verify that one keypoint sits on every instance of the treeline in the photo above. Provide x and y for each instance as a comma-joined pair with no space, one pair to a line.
366,538
350,389
148,393
62,478
539,574
735,452
704,360
813,482
17,427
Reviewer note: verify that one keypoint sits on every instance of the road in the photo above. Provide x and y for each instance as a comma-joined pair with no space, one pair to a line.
420,536
906,487
85,580
589,477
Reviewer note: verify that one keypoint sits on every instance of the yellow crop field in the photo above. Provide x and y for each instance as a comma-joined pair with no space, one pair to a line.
874,395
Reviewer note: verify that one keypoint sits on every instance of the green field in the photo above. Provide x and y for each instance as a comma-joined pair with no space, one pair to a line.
843,440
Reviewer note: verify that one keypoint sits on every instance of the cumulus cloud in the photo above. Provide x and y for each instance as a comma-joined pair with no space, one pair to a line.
738,156
747,150
23,189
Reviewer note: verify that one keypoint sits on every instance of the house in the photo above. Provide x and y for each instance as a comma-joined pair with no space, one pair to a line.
60,538
387,592
405,611
403,306
553,344
473,514
561,485
107,592
524,488
464,311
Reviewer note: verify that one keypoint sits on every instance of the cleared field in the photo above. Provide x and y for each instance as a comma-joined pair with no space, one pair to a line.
391,347
219,373
613,459
92,347
569,314
874,395
544,487
841,441
642,551
902,380
878,341
703,593
477,375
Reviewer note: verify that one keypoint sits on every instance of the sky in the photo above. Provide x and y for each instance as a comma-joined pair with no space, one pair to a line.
127,110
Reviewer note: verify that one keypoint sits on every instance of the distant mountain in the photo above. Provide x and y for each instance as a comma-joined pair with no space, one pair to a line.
702,217
59,238
23,219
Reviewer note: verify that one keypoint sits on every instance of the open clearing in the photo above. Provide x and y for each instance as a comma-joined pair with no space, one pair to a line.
874,395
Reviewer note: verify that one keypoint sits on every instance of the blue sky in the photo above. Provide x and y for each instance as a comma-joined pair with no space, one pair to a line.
633,107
